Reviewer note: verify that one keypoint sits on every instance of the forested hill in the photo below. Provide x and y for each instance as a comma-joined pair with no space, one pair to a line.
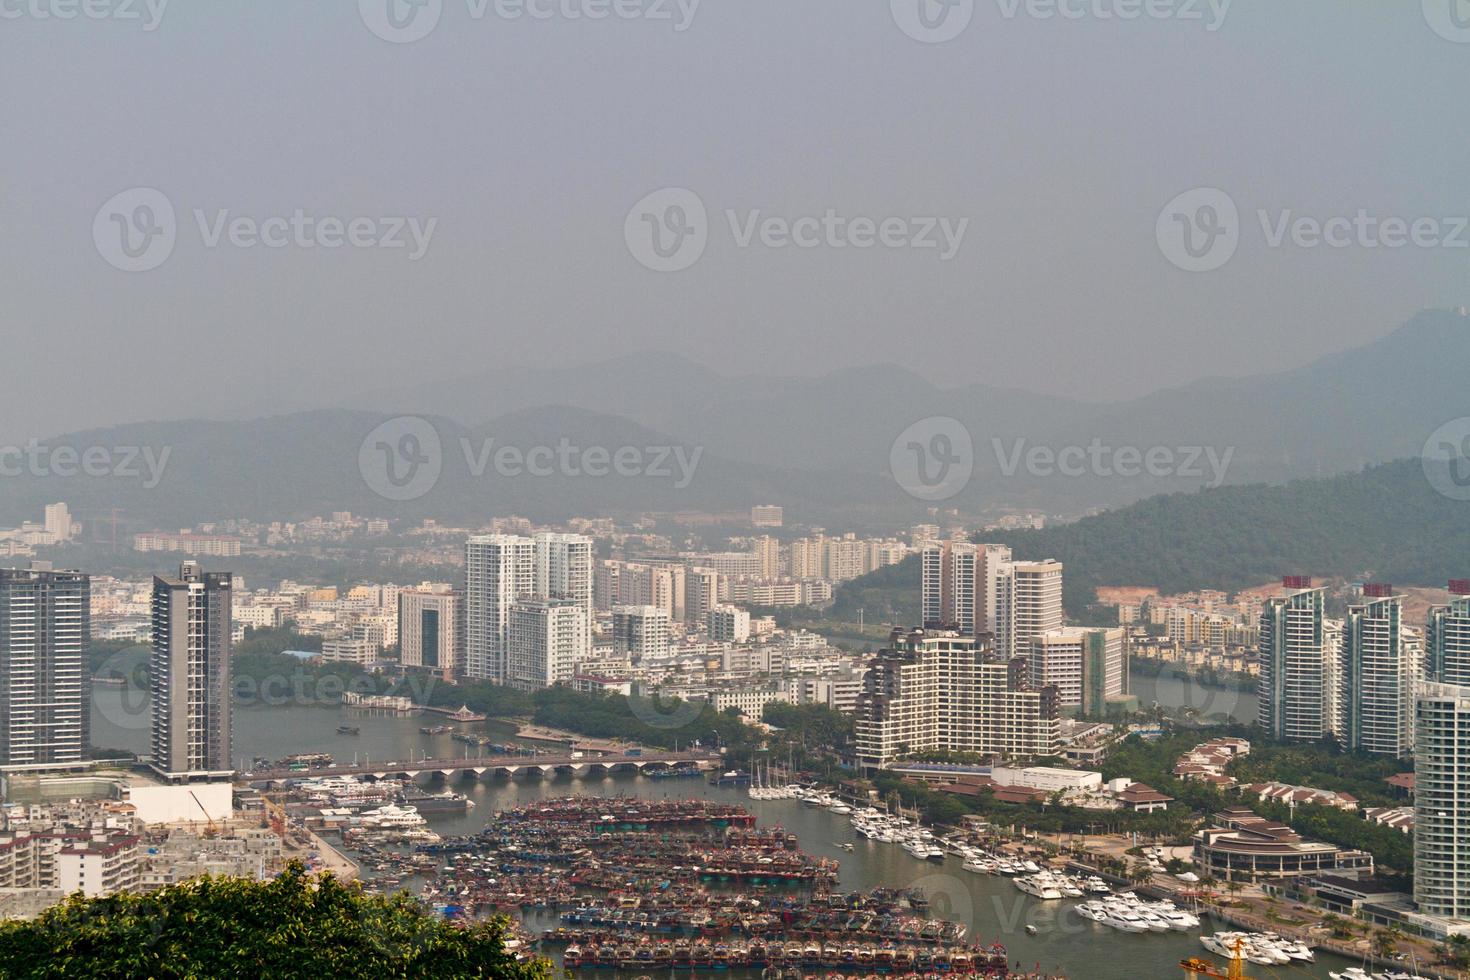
1386,522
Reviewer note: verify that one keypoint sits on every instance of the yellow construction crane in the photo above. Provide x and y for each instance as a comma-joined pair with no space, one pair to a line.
275,816
1196,968
213,830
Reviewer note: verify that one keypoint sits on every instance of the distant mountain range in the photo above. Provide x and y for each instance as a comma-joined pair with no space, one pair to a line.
820,446
1348,410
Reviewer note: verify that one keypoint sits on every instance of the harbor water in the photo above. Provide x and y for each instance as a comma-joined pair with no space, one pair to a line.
992,907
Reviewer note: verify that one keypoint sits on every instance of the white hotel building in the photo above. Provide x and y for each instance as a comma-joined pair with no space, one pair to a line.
945,692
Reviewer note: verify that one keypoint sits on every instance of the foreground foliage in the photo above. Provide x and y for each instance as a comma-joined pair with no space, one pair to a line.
297,925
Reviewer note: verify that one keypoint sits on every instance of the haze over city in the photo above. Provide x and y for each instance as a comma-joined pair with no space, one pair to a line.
542,489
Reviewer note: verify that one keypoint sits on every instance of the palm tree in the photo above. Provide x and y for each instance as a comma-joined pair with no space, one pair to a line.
1385,941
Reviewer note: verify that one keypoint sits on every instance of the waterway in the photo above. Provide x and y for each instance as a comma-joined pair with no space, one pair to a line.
1175,691
992,907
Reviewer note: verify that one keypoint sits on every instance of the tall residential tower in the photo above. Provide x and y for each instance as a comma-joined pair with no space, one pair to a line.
45,636
189,674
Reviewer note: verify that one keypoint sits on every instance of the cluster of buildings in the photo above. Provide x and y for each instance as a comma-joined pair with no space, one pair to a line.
225,539
1355,678
103,846
981,591
994,668
56,527
45,673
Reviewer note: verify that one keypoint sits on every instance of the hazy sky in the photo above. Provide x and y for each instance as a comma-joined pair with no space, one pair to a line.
1060,139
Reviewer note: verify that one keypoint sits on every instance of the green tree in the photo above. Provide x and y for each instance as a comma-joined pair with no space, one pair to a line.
1385,941
296,925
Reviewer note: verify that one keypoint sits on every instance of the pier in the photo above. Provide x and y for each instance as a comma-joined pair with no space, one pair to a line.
509,765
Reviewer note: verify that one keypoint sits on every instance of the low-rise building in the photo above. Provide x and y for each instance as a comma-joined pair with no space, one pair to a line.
1242,846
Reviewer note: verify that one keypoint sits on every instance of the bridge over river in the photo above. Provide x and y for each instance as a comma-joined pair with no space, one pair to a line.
508,765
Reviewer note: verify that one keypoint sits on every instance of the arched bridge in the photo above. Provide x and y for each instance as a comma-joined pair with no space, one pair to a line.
508,765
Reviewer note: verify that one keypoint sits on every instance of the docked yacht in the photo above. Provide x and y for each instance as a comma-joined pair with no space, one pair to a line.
393,817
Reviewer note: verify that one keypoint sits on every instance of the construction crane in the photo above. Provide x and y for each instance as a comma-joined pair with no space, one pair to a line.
1196,968
275,817
213,830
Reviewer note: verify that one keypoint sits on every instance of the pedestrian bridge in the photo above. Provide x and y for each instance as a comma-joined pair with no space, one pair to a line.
508,765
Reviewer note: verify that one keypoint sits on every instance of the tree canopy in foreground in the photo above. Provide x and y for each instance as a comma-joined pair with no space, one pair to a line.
296,925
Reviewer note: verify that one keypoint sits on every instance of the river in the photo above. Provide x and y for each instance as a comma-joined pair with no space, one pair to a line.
1172,690
993,907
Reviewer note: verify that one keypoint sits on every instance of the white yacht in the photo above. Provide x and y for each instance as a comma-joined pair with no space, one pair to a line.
393,817
1124,919
1040,886
1093,911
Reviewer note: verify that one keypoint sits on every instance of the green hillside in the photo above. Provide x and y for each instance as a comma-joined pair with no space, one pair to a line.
1385,522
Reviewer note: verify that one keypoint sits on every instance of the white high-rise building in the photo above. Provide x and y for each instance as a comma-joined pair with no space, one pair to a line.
939,691
991,561
641,631
564,568
58,522
701,593
729,624
545,640
499,569
1441,803
1088,667
1379,667
932,562
564,571
1029,604
1299,686
1447,637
